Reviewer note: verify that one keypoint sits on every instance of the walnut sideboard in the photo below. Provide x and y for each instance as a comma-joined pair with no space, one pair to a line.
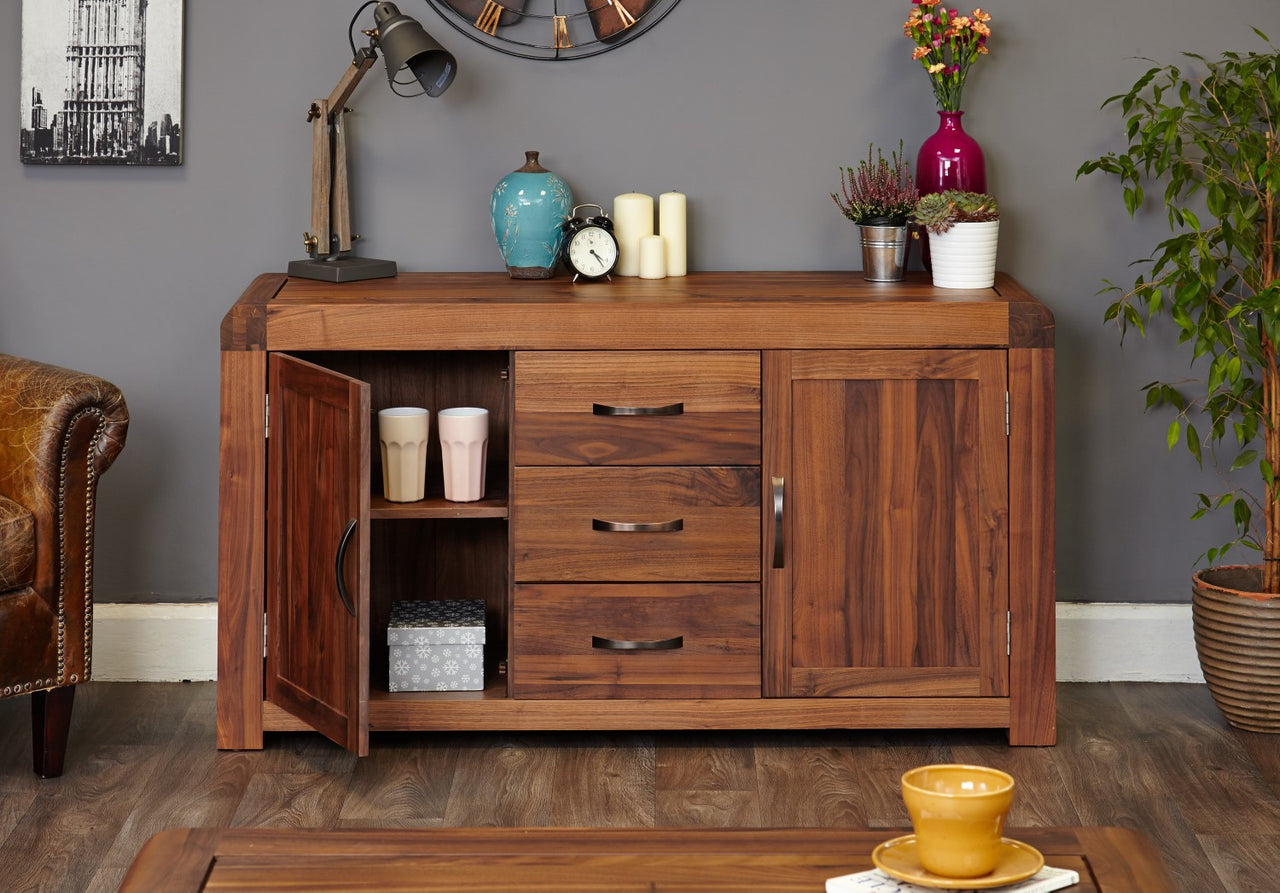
728,500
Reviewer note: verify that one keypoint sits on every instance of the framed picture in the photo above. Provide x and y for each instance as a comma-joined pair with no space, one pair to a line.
102,82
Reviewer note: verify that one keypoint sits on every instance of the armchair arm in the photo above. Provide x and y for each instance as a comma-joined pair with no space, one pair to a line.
59,430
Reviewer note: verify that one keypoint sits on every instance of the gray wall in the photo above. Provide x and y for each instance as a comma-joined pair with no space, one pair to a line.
748,106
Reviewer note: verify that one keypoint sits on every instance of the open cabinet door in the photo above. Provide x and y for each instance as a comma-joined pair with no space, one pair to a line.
317,665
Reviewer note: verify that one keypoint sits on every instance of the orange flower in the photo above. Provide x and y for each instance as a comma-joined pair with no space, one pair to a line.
979,28
981,16
937,67
920,52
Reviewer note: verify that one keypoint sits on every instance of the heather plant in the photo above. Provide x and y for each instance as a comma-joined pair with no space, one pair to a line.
939,211
879,191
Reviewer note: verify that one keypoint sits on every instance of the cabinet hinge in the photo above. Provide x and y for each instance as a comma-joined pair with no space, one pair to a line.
1008,633
264,635
1006,413
266,420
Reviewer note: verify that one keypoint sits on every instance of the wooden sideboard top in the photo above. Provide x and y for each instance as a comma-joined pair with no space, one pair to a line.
704,310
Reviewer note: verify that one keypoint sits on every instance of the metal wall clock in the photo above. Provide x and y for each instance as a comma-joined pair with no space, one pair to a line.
553,29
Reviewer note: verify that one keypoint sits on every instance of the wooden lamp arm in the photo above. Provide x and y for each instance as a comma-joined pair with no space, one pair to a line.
330,198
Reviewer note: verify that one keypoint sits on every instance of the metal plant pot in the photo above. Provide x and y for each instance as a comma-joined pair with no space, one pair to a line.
884,252
1237,630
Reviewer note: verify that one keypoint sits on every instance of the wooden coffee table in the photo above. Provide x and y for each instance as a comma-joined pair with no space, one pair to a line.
1109,860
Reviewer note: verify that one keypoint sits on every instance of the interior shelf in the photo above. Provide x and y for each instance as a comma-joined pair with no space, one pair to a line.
439,507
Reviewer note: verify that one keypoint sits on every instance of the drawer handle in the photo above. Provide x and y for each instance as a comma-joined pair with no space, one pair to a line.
338,562
638,527
779,540
669,409
670,644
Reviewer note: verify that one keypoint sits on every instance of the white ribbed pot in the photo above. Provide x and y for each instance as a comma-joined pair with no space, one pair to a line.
965,255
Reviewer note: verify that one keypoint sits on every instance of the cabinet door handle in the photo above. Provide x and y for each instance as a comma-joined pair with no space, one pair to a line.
338,562
638,527
779,541
670,644
669,409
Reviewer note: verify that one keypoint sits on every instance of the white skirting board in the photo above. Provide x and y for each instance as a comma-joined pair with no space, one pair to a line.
1096,643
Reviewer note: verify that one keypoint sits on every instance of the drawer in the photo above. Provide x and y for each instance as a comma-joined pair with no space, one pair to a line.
673,640
637,408
636,524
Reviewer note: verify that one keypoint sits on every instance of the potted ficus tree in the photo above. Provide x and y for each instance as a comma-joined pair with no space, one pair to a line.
879,196
964,231
1209,137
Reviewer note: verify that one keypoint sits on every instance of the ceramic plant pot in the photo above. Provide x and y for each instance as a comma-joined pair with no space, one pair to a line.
965,255
1237,632
528,207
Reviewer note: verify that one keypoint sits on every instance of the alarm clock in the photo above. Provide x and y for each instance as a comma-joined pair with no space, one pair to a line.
590,249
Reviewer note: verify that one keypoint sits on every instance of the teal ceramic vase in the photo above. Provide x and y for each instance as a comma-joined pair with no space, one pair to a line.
528,208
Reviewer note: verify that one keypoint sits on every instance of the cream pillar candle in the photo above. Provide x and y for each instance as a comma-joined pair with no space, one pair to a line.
671,224
632,220
653,257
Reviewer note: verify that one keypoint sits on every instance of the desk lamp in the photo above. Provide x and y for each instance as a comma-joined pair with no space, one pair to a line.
404,44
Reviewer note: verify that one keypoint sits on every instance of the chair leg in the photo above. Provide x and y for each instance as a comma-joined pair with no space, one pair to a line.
50,723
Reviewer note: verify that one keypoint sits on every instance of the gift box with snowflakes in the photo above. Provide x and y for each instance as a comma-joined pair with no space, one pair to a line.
436,646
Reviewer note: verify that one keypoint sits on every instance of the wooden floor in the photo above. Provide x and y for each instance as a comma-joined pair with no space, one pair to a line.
1154,757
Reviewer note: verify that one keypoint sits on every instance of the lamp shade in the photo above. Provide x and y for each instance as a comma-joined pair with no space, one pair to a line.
404,43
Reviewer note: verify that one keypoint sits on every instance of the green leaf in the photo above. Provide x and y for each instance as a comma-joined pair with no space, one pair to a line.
1242,515
1132,198
1193,443
1175,433
1244,460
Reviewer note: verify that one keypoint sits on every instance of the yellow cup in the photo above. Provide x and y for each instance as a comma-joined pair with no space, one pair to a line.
958,814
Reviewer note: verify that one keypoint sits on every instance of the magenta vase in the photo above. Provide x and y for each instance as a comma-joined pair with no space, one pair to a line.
950,159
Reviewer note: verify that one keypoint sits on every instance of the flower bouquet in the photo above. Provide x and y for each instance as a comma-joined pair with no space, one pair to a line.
947,45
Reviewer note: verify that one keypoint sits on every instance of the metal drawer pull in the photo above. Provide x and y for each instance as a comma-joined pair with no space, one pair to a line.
338,561
669,409
670,644
638,527
779,540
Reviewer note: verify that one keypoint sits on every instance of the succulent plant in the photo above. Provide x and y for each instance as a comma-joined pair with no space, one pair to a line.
938,211
880,189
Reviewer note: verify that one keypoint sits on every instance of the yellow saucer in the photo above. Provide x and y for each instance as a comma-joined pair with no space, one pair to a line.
899,858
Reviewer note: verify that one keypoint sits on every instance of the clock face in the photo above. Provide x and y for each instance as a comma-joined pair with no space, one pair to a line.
592,252
553,29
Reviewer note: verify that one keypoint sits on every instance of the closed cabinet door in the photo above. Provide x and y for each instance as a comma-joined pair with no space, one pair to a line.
886,568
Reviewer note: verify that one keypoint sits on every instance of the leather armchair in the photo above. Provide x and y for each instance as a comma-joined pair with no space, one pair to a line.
59,431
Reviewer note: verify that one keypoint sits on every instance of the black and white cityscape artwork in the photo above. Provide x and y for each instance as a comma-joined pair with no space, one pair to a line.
102,82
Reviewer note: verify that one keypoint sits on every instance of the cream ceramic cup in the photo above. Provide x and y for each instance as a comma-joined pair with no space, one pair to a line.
958,813
464,448
402,433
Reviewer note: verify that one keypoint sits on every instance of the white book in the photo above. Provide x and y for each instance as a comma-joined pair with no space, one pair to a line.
876,881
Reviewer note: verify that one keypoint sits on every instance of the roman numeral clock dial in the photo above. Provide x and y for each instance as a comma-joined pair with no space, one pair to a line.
553,29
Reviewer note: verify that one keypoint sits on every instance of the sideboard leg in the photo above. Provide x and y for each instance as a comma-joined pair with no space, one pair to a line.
1032,569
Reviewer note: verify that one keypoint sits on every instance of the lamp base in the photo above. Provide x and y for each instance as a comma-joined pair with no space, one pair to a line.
342,269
